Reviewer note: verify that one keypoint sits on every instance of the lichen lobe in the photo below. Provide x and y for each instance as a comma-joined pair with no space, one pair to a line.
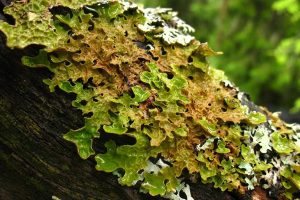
137,72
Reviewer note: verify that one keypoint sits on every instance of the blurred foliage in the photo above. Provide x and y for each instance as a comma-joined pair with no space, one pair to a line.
260,41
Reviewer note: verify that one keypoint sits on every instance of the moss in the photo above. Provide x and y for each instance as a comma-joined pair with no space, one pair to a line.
137,72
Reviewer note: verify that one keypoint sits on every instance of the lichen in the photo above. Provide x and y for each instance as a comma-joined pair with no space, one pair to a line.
138,73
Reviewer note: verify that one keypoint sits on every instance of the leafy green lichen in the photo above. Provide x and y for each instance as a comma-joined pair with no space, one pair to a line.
138,73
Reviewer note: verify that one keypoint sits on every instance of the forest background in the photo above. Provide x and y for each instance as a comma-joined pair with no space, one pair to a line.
260,41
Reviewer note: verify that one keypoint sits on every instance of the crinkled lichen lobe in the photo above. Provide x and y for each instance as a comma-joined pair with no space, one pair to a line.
137,72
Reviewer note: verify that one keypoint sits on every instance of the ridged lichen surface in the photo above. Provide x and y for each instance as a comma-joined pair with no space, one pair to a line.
139,73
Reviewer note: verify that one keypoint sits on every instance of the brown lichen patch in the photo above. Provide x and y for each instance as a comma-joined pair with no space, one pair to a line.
208,99
259,194
131,80
181,153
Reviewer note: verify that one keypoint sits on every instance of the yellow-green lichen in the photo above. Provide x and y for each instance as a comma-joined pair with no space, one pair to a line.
138,73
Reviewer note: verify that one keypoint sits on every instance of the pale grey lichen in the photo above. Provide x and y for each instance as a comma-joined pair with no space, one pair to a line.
228,84
152,168
129,5
250,183
247,167
183,188
164,24
261,136
207,144
173,36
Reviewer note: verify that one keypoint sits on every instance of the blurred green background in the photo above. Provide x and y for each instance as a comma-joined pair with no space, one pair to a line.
260,40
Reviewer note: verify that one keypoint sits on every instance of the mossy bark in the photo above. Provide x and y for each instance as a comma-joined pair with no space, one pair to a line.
36,162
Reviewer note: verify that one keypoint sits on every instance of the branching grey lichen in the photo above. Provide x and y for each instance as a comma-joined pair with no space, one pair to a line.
137,72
